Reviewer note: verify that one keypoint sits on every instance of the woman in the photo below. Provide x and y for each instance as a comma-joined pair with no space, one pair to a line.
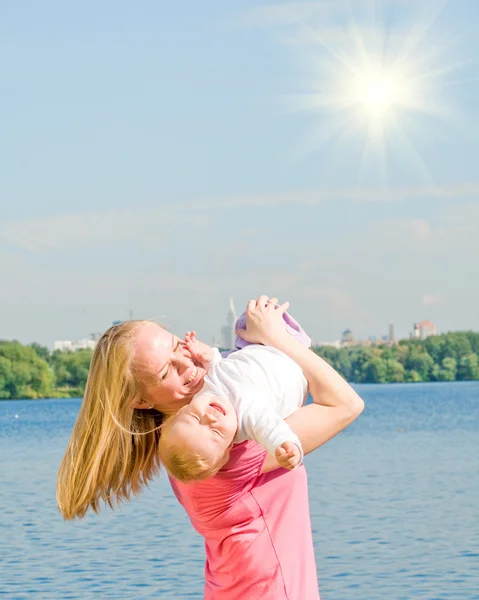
253,516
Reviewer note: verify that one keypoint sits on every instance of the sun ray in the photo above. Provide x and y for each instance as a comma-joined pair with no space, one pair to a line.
413,155
332,133
372,81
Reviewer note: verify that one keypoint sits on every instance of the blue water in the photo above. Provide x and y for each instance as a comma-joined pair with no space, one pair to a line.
394,504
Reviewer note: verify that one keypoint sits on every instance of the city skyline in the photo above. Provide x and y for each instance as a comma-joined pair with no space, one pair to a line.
151,164
226,336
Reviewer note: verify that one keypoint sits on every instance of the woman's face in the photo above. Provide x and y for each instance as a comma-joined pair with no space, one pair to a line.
170,376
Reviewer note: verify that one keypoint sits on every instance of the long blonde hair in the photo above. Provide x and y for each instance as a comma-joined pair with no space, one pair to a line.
112,451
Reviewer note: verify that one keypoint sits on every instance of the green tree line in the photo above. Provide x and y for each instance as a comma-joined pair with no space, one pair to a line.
35,372
446,357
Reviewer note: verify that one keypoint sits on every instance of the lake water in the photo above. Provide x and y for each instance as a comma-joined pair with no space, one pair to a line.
394,503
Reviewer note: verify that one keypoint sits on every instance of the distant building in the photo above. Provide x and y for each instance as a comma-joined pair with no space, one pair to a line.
334,344
423,330
83,344
228,330
391,336
347,338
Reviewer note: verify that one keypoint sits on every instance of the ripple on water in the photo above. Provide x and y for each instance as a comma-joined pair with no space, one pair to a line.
394,513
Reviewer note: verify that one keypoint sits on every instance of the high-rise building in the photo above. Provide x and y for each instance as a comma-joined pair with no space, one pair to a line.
228,329
391,337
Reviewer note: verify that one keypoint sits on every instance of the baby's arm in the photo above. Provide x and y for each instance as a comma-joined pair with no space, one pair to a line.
270,430
336,403
289,455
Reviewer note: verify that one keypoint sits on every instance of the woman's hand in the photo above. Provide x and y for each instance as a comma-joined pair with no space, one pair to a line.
264,322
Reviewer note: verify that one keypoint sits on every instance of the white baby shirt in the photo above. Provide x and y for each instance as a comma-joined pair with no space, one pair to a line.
264,386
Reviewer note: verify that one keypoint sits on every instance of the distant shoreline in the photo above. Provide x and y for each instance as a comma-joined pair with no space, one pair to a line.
393,383
35,372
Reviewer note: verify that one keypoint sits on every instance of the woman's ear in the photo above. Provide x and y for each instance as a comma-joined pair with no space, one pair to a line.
142,404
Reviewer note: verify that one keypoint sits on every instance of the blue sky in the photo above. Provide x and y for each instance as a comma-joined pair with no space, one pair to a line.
160,157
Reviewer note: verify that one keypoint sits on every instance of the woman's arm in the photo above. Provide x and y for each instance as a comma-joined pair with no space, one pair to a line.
336,404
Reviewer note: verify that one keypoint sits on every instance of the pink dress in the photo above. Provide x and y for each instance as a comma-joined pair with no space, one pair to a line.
256,528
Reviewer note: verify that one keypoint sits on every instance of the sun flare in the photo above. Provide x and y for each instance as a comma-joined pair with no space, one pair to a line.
377,95
375,89
381,94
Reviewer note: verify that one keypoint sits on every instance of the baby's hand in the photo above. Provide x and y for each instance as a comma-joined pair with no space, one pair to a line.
199,351
288,455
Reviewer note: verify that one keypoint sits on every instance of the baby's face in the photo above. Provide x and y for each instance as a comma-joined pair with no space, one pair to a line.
208,424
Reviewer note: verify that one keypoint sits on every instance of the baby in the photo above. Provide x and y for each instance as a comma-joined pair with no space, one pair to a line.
246,396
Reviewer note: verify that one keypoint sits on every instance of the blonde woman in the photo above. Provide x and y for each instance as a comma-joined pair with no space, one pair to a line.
254,517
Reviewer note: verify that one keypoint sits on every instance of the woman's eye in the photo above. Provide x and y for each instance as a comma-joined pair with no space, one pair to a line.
165,374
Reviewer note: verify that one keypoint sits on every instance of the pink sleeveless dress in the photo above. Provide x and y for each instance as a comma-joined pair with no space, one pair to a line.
256,528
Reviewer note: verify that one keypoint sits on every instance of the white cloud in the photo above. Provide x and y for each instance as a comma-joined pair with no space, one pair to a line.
421,230
358,279
146,228
431,299
359,194
284,14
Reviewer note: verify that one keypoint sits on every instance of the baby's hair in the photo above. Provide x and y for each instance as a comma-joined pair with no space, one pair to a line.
184,464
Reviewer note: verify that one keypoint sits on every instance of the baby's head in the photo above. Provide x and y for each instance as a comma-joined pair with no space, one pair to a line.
195,443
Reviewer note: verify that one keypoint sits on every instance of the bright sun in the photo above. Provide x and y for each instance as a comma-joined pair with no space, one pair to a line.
374,87
378,95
